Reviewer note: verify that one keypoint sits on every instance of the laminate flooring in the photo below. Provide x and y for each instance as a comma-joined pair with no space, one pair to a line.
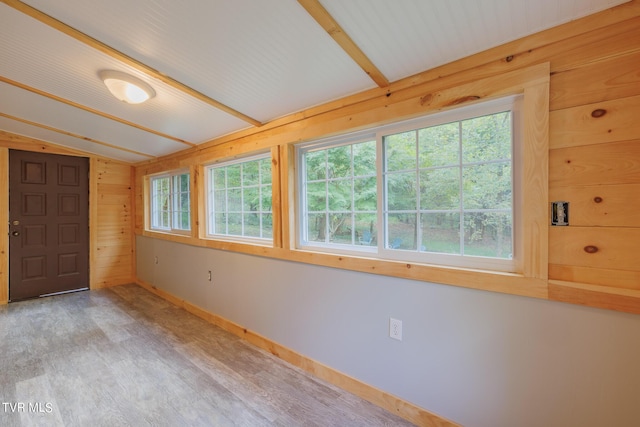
125,357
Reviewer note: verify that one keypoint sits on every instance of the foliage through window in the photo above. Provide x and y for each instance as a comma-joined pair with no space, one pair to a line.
340,194
239,199
436,190
170,202
449,188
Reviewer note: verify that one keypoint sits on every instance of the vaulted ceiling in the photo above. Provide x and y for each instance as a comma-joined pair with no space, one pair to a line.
220,66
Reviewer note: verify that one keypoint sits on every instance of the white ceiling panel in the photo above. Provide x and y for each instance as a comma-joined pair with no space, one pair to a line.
406,37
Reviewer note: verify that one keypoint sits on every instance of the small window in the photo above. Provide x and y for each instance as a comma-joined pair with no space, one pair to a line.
170,202
239,199
439,190
339,194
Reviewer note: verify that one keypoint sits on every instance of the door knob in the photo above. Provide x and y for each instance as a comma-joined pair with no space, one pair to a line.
16,222
15,233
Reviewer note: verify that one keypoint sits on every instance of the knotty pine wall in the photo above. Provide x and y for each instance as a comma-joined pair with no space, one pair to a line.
112,256
113,250
594,163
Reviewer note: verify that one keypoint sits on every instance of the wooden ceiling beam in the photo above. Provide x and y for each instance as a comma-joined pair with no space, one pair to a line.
331,26
98,45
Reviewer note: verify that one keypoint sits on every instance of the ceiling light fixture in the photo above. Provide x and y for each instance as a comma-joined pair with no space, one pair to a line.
126,87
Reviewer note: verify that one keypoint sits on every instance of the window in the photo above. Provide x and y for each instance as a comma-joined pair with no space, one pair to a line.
339,194
170,202
441,189
239,199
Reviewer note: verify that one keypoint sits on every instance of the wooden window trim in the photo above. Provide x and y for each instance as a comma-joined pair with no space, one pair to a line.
533,83
204,227
148,197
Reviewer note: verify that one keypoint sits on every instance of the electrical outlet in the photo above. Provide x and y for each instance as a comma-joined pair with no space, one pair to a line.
395,329
209,276
156,260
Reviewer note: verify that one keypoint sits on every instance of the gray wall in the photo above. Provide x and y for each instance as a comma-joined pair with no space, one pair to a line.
478,358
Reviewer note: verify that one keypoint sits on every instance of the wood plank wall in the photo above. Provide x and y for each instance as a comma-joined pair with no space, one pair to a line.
112,256
594,164
113,250
594,156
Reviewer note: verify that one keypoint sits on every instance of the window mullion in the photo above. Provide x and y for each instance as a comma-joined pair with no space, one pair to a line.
226,200
174,202
242,213
418,226
461,186
327,215
260,207
381,197
211,202
353,197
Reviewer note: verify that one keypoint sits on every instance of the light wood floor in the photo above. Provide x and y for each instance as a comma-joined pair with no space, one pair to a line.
125,357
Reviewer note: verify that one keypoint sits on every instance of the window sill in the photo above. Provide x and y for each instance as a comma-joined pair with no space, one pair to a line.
239,240
168,235
510,283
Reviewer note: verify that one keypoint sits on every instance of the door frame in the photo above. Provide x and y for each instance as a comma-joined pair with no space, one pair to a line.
4,215
4,225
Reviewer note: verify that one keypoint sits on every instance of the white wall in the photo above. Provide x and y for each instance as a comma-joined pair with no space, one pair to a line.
475,357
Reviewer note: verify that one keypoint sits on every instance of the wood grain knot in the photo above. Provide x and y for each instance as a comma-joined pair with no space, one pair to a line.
426,99
598,113
591,249
463,100
597,199
509,58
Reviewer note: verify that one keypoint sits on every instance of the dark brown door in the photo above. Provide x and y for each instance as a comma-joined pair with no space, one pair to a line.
48,224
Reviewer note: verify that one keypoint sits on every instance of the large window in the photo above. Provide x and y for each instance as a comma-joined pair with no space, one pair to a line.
239,199
435,190
170,202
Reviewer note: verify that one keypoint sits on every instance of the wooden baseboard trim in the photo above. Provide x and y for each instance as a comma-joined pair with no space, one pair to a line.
404,409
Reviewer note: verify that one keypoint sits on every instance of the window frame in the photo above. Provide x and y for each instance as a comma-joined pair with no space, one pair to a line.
513,103
208,202
174,202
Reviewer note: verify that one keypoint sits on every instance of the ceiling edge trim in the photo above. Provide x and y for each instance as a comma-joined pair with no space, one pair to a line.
93,111
18,141
74,135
